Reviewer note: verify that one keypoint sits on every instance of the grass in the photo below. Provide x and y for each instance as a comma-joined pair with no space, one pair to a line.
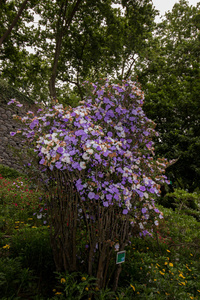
166,266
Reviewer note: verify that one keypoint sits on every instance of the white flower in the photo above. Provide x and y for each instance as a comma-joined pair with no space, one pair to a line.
66,158
156,223
44,150
85,156
39,216
82,165
90,151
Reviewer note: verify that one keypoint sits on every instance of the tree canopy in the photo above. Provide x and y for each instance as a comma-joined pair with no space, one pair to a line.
72,41
170,75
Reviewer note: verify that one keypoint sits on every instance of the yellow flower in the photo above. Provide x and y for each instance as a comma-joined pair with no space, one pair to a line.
6,246
162,273
171,265
191,254
62,280
58,293
191,297
183,283
87,289
198,291
166,263
132,287
181,275
168,250
83,278
155,279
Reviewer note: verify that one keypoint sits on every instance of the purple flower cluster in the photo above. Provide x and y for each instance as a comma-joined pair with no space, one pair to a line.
107,143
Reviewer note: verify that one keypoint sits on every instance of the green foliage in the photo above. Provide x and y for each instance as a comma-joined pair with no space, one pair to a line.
14,279
165,266
95,41
7,172
169,73
8,92
20,205
33,246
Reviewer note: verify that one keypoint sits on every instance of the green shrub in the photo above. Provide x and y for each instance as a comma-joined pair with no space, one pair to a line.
32,245
13,278
7,172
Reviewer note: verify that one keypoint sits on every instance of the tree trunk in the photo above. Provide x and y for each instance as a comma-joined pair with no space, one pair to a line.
8,31
63,24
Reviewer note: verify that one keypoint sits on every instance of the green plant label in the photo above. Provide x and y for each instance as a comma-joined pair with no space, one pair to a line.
120,257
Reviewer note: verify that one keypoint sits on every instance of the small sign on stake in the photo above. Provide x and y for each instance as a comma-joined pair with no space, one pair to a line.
120,257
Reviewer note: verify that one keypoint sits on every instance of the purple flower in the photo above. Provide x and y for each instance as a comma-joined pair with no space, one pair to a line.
105,204
125,211
91,195
42,161
12,133
144,210
142,188
58,165
109,197
60,150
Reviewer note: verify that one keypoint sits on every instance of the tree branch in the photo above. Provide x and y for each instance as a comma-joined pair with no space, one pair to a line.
8,31
64,27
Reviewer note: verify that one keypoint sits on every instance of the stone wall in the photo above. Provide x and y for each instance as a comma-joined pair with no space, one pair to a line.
9,157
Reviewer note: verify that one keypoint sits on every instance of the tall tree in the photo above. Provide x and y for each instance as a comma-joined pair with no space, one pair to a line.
170,75
74,41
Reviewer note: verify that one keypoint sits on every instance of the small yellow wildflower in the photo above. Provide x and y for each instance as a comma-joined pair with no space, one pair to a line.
198,291
163,270
138,292
191,297
62,280
58,293
83,278
168,250
191,254
162,273
171,265
132,287
181,275
6,246
87,289
166,263
155,279
183,283
54,290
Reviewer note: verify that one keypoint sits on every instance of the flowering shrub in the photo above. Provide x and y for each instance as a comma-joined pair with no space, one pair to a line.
101,172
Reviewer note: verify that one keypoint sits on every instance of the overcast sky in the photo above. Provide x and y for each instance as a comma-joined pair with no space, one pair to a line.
165,5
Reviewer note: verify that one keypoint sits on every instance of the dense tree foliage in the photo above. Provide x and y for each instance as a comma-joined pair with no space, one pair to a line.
73,41
170,75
